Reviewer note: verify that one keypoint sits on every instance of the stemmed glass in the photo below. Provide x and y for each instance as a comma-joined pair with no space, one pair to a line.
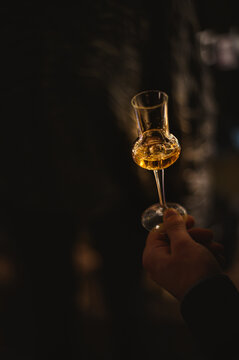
155,149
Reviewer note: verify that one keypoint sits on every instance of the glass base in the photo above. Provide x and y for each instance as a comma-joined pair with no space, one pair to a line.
152,217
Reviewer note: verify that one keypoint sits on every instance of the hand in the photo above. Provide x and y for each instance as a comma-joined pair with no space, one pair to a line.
179,258
205,238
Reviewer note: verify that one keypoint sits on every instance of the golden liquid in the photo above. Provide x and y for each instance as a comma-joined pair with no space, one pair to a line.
155,150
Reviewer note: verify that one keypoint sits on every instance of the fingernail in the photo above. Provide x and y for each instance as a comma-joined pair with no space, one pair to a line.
170,212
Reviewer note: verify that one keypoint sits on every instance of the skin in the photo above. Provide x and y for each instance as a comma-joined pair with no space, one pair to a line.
178,256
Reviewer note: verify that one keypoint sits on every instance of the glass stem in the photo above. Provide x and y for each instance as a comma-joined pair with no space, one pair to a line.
160,186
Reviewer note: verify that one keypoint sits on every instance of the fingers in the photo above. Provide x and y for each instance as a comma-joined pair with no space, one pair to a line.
157,246
203,236
189,221
175,228
157,239
174,235
160,235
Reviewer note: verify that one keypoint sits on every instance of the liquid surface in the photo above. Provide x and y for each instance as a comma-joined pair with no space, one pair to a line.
154,150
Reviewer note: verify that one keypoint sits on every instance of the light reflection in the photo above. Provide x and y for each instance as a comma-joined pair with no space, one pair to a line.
221,50
88,263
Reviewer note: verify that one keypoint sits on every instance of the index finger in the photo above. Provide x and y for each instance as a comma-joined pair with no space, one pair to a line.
156,239
157,246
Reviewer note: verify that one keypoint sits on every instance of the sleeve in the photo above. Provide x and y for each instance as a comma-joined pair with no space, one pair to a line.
211,311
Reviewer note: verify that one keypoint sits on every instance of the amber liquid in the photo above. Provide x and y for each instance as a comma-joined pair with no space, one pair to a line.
155,150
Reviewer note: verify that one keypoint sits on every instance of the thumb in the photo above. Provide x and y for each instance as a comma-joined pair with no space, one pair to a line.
175,227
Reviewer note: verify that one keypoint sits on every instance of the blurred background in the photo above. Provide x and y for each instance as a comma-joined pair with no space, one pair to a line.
71,279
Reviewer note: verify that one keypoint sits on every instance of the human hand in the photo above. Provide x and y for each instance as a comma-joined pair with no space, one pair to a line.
178,258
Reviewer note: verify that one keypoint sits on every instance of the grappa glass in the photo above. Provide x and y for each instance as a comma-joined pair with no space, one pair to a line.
155,149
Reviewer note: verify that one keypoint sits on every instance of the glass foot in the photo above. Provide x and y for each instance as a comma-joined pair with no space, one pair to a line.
152,217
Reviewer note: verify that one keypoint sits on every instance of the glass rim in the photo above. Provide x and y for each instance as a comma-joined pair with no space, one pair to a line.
149,107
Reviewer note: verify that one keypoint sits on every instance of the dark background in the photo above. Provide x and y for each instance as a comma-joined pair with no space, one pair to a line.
71,279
